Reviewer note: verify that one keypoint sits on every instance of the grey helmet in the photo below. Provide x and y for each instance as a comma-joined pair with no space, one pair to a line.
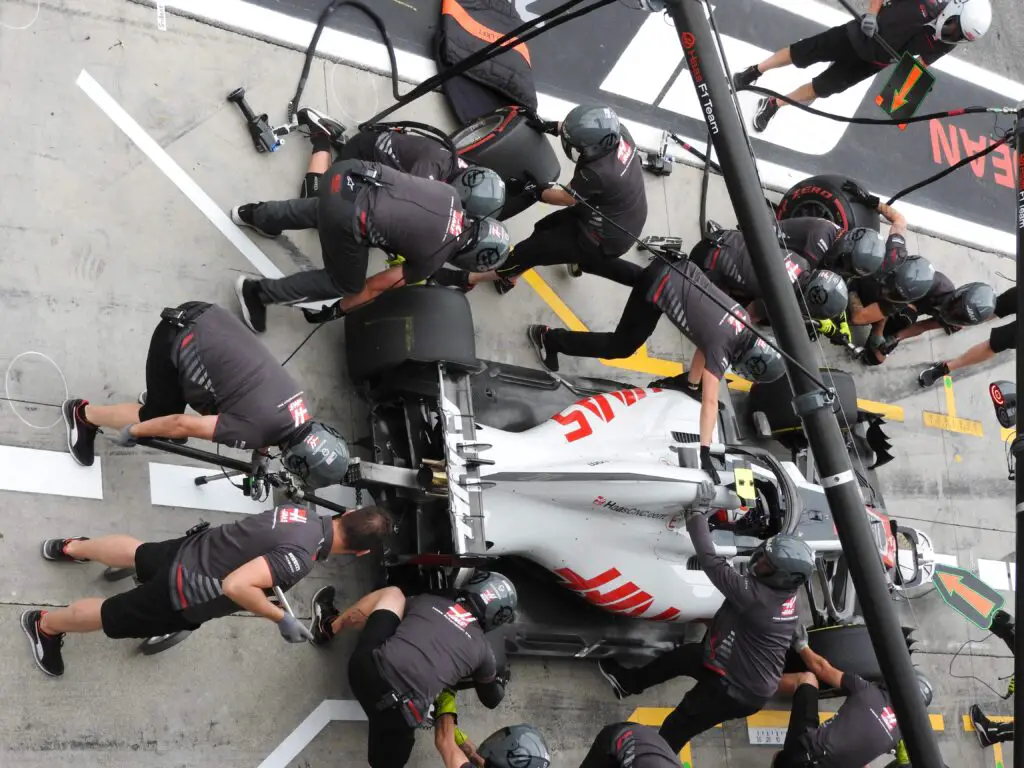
970,304
485,246
317,454
759,362
591,130
857,252
925,686
825,293
515,746
782,562
481,190
491,597
909,280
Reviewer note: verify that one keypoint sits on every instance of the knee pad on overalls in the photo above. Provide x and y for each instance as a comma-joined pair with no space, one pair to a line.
310,185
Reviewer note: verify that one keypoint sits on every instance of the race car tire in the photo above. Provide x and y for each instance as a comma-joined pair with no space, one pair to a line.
160,643
847,647
503,142
415,324
775,400
823,196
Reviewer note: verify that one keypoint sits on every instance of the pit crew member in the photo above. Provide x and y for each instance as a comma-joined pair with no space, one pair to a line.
629,745
739,664
987,731
515,746
209,573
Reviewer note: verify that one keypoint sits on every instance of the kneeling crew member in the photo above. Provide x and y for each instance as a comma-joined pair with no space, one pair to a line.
926,28
864,728
207,574
714,323
739,664
849,253
411,650
609,177
629,745
514,746
987,731
362,204
201,356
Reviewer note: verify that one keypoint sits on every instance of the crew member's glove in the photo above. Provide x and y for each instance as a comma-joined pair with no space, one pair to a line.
860,195
799,641
951,329
292,631
125,437
444,704
328,313
534,188
260,463
544,126
869,24
888,344
707,466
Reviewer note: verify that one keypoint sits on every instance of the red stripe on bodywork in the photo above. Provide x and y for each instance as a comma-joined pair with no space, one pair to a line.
665,615
577,582
606,408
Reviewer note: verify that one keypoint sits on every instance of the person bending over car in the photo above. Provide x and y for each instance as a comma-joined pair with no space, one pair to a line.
1000,340
987,731
739,663
864,728
410,650
928,29
209,573
715,324
201,356
609,177
362,204
629,745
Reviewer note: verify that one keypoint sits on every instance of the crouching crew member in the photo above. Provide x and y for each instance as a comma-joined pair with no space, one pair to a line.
988,731
629,745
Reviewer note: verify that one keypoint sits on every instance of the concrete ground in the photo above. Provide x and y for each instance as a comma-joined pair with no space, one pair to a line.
101,228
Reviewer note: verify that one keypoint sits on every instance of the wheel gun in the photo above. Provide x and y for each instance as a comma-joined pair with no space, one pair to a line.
263,135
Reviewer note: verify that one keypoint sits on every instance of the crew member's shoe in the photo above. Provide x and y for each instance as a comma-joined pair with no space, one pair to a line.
80,433
575,270
746,78
766,109
45,648
254,311
55,549
932,373
323,613
611,670
242,216
318,123
984,728
503,285
537,334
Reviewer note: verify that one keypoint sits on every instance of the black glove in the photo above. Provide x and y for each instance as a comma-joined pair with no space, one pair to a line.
534,188
867,355
888,344
544,126
860,195
707,466
328,313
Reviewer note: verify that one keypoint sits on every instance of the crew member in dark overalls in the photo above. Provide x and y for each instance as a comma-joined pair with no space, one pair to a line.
988,731
629,745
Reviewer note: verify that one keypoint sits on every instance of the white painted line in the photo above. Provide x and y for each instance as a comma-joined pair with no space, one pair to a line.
327,711
27,470
173,485
994,573
949,560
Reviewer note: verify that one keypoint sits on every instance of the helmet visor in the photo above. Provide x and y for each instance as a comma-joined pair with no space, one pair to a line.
952,31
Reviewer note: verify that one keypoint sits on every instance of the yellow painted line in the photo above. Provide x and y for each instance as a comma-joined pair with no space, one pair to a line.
953,424
656,716
1006,435
947,384
891,412
997,755
969,726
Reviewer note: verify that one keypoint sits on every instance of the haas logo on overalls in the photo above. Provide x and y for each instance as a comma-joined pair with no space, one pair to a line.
789,608
889,719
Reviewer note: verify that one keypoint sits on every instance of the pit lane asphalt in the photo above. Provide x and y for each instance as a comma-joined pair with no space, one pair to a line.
96,239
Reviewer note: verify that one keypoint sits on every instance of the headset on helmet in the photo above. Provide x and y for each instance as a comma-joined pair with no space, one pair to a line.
481,190
485,247
782,562
593,131
857,252
317,454
516,746
908,281
825,293
970,304
962,21
759,362
492,598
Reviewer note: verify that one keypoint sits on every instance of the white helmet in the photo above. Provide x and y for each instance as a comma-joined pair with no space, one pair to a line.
963,21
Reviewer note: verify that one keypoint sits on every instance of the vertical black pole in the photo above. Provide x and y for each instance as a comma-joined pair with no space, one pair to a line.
1018,445
819,420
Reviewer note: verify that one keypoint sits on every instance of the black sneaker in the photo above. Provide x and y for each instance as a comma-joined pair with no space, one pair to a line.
609,669
743,80
323,612
242,216
537,334
317,123
80,433
503,285
45,648
932,373
766,109
575,270
254,311
53,549
982,726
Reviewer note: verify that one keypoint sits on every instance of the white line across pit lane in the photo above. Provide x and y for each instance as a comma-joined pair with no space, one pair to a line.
27,470
360,52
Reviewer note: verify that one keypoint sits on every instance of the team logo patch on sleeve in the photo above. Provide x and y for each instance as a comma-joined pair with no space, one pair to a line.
456,223
888,718
789,608
625,151
291,515
459,616
299,412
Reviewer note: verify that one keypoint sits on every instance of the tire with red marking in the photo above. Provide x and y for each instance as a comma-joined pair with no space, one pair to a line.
823,196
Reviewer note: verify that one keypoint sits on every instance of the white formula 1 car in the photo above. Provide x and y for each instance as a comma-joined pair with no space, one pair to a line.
575,487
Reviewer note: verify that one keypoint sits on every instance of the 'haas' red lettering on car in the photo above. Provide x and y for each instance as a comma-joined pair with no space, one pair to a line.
575,416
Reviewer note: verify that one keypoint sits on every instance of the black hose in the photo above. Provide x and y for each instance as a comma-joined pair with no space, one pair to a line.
705,158
946,171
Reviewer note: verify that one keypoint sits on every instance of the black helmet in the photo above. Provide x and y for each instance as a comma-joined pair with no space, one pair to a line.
516,746
970,304
492,598
824,292
485,247
857,252
925,686
481,190
593,131
907,281
317,454
782,562
759,362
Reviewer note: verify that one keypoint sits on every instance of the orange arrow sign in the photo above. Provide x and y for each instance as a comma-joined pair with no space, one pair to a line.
899,98
953,583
